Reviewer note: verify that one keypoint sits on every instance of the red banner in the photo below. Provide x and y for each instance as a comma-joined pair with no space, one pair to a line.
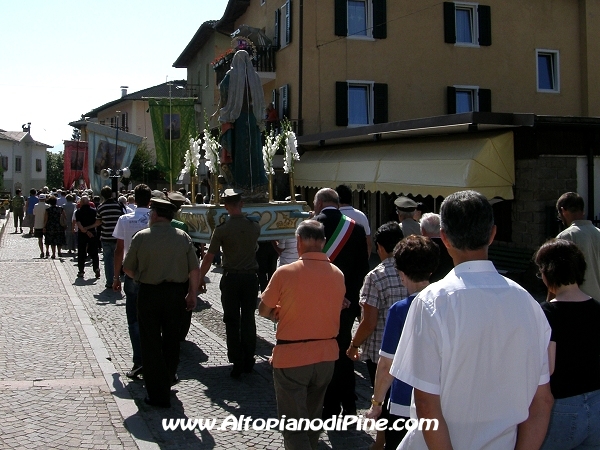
76,165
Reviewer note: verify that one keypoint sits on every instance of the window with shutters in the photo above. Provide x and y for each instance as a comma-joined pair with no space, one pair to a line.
361,18
38,165
360,103
283,101
283,25
467,24
17,164
464,99
548,79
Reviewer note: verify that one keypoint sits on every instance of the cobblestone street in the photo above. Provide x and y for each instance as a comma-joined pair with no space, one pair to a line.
64,350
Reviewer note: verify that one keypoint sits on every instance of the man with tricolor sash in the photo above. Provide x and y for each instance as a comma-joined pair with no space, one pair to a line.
346,248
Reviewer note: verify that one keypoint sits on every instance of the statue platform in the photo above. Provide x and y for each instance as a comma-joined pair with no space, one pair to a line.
278,220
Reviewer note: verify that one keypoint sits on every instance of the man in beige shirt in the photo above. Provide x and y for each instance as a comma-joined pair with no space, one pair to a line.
163,260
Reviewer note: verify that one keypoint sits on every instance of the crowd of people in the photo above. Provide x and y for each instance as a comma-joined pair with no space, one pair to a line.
443,335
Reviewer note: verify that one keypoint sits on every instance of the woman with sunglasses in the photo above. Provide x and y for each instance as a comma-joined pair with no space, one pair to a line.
574,350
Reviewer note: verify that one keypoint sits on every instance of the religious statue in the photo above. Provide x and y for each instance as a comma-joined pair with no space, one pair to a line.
241,115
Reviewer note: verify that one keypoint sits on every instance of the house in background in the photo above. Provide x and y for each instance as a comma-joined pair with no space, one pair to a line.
130,113
414,98
23,160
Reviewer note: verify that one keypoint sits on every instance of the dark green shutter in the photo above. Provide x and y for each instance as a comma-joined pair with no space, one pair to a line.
485,100
451,99
341,18
341,103
288,22
449,23
379,19
380,100
485,25
285,100
276,42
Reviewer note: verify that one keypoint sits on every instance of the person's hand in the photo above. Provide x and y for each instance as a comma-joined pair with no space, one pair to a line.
116,286
346,303
190,302
374,412
202,286
274,316
352,353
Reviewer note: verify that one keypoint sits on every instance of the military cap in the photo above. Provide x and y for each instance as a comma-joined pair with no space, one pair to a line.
405,204
161,203
231,193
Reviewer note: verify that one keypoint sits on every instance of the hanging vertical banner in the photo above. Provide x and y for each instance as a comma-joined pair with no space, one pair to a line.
109,148
173,124
75,173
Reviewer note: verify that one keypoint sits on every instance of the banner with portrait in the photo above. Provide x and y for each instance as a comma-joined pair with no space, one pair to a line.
173,124
109,148
75,174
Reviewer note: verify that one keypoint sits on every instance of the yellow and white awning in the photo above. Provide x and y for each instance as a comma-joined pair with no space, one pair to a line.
427,166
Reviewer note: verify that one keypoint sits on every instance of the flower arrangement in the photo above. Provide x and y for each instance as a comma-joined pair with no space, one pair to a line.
223,56
288,138
272,144
192,157
211,149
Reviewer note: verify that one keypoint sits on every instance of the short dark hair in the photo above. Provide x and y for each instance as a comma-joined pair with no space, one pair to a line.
571,201
233,200
142,195
106,192
17,191
345,194
70,197
51,200
417,257
561,262
467,219
388,235
32,192
311,229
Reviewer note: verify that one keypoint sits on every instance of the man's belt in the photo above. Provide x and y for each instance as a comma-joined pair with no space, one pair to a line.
284,342
244,272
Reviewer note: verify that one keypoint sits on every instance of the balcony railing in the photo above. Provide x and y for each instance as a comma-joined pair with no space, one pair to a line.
263,61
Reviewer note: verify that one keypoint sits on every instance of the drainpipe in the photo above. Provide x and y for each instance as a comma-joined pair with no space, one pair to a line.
300,57
590,184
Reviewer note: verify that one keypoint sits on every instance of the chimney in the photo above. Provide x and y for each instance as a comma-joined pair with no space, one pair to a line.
124,91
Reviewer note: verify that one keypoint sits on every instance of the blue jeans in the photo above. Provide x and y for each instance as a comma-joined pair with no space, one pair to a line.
574,423
108,252
131,288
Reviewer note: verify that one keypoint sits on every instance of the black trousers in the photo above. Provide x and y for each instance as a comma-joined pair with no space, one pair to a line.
87,245
239,293
341,389
160,312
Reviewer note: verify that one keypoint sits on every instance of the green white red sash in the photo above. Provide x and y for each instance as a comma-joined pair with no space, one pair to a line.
339,237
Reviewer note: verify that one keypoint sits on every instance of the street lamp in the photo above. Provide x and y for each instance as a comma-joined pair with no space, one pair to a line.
115,175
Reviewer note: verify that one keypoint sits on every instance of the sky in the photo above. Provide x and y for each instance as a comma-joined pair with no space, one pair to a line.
60,59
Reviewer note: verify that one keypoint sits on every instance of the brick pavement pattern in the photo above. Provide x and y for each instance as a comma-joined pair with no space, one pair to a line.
64,348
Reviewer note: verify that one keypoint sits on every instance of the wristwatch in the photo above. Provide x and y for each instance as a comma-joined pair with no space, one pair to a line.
375,402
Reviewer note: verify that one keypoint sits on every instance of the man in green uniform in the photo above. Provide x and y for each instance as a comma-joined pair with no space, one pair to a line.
237,237
165,292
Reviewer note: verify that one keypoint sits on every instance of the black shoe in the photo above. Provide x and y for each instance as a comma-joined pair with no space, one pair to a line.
236,372
248,365
97,272
135,371
157,404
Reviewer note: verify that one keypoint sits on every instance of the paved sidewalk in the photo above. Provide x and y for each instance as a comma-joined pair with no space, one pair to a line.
64,347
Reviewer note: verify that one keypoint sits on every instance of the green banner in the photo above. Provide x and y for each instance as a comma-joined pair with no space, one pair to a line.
172,124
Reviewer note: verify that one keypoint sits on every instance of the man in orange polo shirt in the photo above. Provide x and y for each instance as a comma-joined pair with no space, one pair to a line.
306,298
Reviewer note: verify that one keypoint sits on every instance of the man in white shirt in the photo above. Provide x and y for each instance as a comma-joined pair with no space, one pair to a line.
127,225
476,350
570,208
